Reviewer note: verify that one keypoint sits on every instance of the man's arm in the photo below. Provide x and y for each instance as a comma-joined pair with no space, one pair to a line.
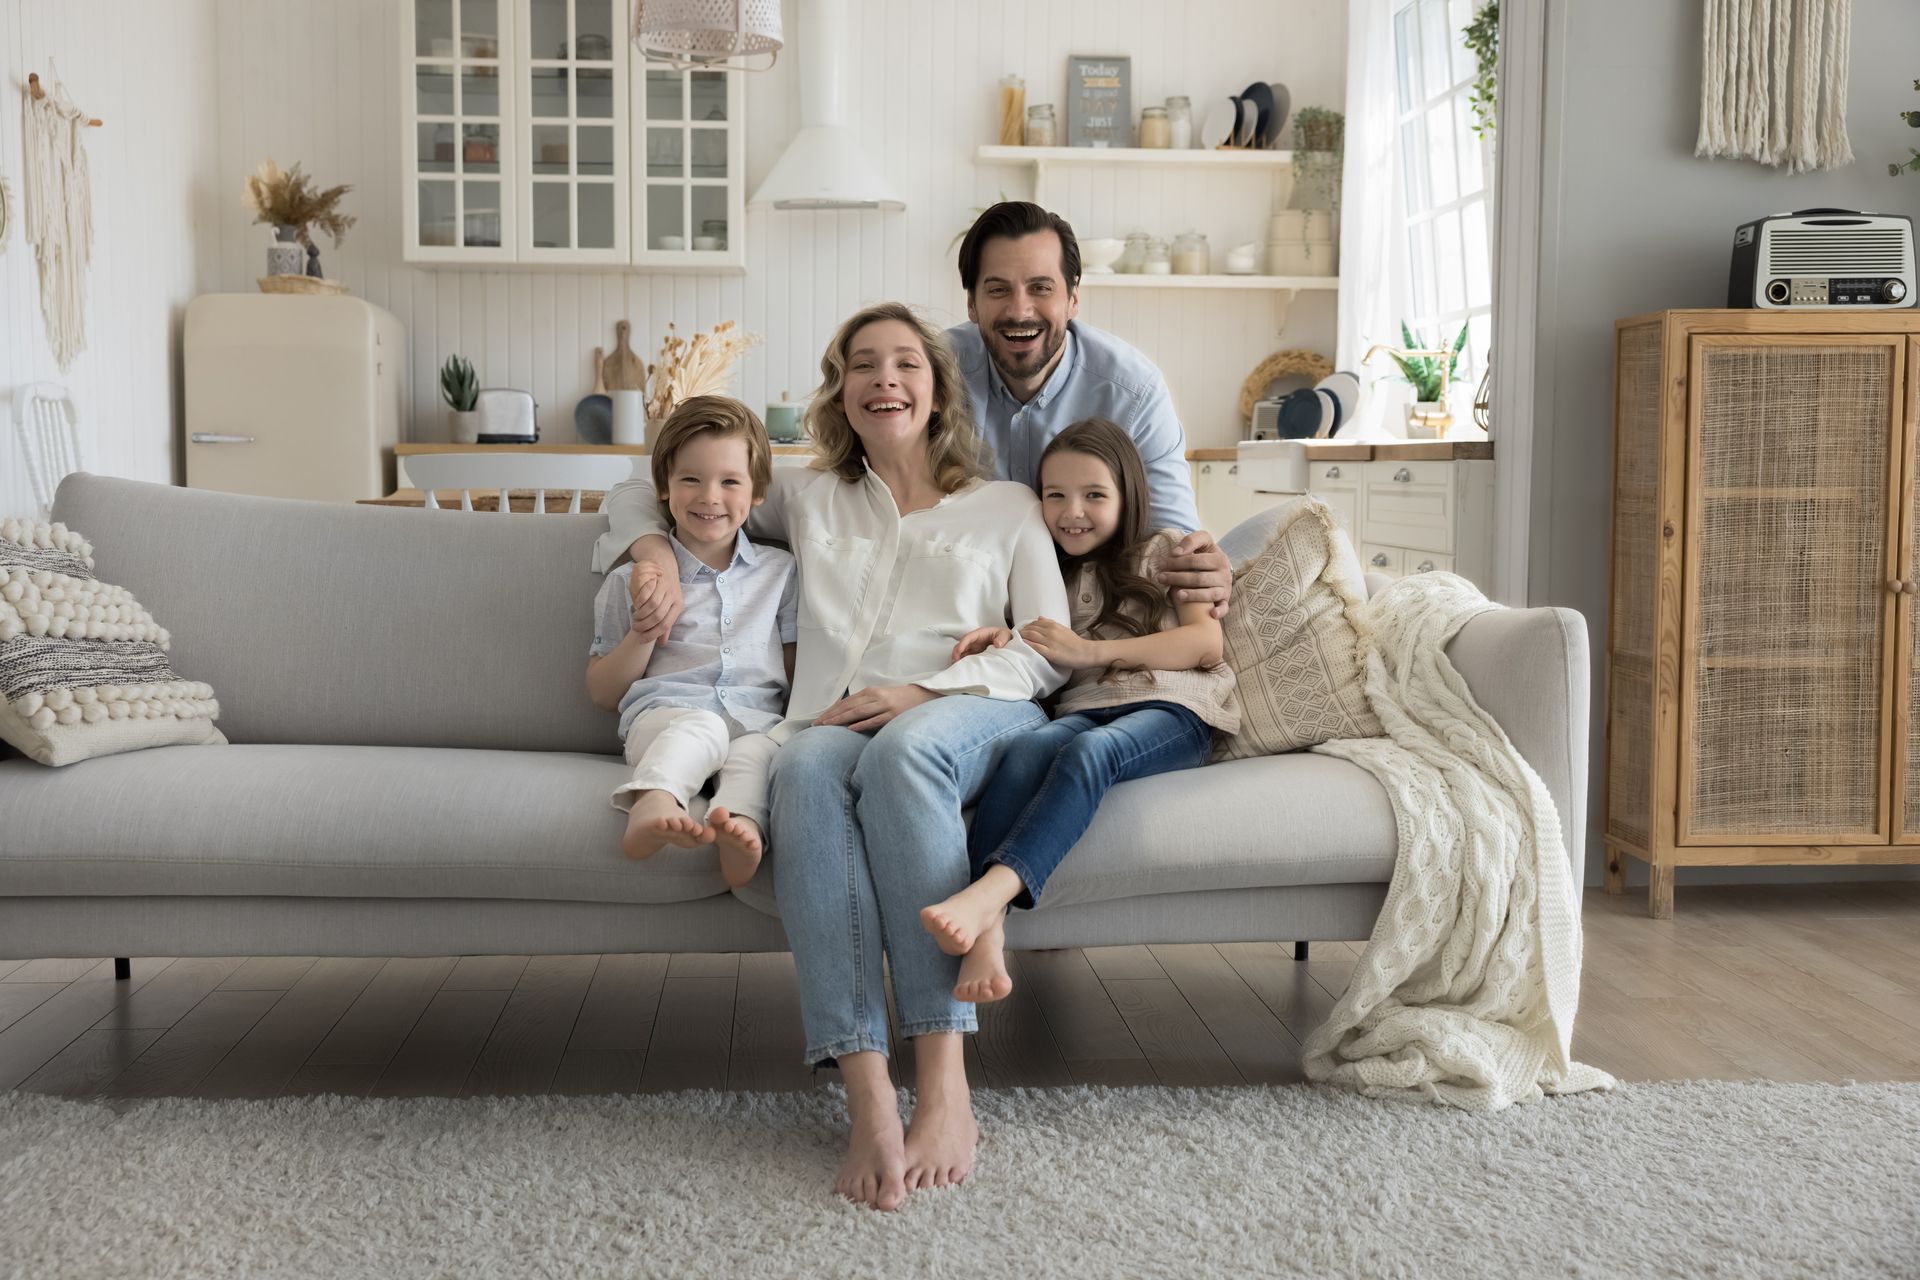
1197,570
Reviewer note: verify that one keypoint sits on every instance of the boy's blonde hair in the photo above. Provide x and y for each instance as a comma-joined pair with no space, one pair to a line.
711,415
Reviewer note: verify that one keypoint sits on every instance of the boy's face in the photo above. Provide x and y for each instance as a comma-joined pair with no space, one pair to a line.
710,489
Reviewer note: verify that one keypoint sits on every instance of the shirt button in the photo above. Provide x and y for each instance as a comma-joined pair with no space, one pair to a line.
721,579
726,622
1086,599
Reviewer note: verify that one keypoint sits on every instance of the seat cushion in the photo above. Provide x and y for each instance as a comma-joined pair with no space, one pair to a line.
374,822
1241,824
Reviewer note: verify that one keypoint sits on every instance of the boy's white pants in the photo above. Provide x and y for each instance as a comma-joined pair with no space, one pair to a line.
676,749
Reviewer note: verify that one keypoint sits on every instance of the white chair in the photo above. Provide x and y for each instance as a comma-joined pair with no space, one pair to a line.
471,472
48,427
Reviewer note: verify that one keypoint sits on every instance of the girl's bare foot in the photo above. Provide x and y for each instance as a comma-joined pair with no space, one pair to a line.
874,1170
959,921
739,842
656,821
943,1135
983,970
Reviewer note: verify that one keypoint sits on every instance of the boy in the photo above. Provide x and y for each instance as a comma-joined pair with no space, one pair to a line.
701,700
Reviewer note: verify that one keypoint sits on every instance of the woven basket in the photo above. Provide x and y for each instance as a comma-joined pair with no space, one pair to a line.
298,284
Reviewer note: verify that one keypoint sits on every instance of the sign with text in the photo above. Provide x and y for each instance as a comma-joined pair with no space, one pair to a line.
1099,101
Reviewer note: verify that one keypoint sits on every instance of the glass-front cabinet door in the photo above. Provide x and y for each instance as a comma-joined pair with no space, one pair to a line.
689,161
458,145
573,208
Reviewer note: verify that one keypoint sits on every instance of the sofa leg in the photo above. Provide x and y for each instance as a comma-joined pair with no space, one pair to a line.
1299,951
122,968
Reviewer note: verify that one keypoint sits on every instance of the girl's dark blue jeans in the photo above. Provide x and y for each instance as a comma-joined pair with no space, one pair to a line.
1043,791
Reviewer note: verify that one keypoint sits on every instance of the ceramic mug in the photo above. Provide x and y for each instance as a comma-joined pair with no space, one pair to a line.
706,242
670,242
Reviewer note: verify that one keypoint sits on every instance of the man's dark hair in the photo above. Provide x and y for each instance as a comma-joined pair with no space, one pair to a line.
1011,219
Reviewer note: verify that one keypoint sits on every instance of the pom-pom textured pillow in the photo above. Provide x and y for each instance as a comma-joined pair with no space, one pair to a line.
83,668
1293,640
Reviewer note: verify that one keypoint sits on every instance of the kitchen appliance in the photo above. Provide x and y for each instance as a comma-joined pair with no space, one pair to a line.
507,416
1815,259
293,396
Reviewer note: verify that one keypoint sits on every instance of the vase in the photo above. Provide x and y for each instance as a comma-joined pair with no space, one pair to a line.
629,417
286,256
463,426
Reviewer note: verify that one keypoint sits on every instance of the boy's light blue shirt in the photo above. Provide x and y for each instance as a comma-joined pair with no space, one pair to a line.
725,652
1098,376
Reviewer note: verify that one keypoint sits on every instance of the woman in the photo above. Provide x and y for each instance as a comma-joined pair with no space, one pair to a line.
903,549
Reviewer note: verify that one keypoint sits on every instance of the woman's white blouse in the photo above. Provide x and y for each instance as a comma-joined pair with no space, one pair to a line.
883,597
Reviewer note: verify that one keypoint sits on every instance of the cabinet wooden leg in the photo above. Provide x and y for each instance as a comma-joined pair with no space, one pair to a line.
1616,871
1660,890
122,968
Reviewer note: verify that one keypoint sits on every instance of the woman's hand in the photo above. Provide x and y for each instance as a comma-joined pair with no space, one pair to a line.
871,708
979,640
1061,646
655,600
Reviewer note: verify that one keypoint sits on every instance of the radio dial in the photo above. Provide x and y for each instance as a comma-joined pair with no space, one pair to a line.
1894,291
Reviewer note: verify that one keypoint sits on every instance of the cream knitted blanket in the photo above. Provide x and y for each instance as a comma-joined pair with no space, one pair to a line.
1466,992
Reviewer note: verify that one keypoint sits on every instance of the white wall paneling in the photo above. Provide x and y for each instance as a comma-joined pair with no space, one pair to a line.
147,70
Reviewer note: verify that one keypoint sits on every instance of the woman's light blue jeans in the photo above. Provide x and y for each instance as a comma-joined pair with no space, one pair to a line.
866,831
1047,785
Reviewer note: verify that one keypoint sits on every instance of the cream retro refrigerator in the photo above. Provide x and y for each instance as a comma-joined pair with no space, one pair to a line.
293,396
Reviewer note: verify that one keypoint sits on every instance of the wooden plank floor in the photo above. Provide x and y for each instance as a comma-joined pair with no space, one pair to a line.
1779,983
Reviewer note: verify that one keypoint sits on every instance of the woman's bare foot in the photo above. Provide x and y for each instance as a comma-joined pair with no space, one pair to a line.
740,845
874,1170
983,970
942,1137
959,921
656,821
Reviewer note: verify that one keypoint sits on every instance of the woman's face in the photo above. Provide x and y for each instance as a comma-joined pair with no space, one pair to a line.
888,396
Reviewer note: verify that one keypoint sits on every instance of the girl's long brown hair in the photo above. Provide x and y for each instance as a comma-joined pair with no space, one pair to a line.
1128,600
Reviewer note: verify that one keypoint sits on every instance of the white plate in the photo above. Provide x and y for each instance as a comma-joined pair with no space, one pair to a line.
1249,123
1221,121
1278,139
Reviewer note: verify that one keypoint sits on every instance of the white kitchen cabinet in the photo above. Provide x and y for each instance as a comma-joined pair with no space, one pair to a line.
535,136
1222,500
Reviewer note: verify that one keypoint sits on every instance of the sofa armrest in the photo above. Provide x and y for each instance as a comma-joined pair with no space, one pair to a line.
1528,669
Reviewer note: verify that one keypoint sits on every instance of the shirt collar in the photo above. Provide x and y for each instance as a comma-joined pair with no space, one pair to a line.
693,564
1069,355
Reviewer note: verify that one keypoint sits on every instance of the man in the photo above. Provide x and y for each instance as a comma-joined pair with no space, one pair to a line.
1034,370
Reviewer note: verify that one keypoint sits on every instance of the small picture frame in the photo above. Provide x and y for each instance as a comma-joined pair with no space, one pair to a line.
1100,100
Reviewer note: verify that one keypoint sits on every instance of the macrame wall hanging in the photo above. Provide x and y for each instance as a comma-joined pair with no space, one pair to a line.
59,214
1773,82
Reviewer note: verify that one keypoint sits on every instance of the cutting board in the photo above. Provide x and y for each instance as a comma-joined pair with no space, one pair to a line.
624,370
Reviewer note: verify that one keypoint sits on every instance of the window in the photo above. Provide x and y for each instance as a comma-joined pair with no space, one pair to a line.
1444,177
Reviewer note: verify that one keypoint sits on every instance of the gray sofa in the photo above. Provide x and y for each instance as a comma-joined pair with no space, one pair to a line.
415,768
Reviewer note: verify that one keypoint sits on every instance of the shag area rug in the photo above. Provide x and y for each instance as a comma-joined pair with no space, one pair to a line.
1690,1180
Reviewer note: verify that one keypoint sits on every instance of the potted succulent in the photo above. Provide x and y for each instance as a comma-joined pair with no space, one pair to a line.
460,388
290,202
1429,371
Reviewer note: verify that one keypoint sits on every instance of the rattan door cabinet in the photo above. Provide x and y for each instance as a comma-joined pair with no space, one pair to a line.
1761,648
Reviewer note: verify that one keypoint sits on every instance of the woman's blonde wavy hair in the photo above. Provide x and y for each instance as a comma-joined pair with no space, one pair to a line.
954,446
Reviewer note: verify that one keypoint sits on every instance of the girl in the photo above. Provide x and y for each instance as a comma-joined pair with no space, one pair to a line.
1147,689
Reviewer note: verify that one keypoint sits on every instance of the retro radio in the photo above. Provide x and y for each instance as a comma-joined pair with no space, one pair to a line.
1820,258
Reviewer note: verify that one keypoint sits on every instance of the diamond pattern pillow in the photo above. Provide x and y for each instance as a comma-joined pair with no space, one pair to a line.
83,668
1293,641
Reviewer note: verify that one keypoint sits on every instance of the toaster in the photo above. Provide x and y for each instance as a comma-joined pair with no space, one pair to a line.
507,416
1816,259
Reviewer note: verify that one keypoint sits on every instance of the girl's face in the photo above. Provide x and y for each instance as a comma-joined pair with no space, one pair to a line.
1080,500
888,396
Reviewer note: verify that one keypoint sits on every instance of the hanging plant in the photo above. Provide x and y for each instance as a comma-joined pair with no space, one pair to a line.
1482,37
1319,142
1912,166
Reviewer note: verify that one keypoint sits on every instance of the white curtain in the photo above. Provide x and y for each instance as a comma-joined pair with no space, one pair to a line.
1373,242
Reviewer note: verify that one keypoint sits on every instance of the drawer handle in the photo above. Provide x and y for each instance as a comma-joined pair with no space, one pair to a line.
1234,470
1425,566
212,437
1206,468
1379,560
1403,476
1333,473
1896,586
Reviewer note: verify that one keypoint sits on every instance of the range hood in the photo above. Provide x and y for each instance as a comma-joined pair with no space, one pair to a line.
826,166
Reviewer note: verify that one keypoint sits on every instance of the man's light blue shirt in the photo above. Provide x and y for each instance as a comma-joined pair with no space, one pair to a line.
1098,376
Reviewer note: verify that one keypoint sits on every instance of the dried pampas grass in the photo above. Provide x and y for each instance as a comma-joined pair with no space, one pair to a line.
699,366
290,198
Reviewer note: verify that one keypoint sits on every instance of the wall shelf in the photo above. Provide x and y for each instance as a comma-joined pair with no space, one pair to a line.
1159,156
1283,288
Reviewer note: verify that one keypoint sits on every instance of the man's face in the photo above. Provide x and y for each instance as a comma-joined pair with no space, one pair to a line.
1022,304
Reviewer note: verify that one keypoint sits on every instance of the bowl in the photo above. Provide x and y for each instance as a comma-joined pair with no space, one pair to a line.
1098,256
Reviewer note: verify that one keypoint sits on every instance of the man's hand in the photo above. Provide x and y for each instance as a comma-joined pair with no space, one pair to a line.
871,708
1200,571
656,601
979,640
1061,646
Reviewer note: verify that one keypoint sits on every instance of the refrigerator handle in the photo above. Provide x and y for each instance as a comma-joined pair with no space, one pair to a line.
209,437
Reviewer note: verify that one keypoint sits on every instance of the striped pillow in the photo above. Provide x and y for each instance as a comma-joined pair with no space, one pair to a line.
83,668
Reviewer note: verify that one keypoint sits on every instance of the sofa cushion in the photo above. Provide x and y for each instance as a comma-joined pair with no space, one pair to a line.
83,668
370,822
374,626
1293,641
1242,824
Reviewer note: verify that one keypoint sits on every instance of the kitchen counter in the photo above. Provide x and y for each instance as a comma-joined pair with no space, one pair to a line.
1317,450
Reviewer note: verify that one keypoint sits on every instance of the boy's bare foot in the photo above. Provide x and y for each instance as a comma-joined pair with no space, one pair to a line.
959,921
874,1170
942,1137
983,970
656,821
739,842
